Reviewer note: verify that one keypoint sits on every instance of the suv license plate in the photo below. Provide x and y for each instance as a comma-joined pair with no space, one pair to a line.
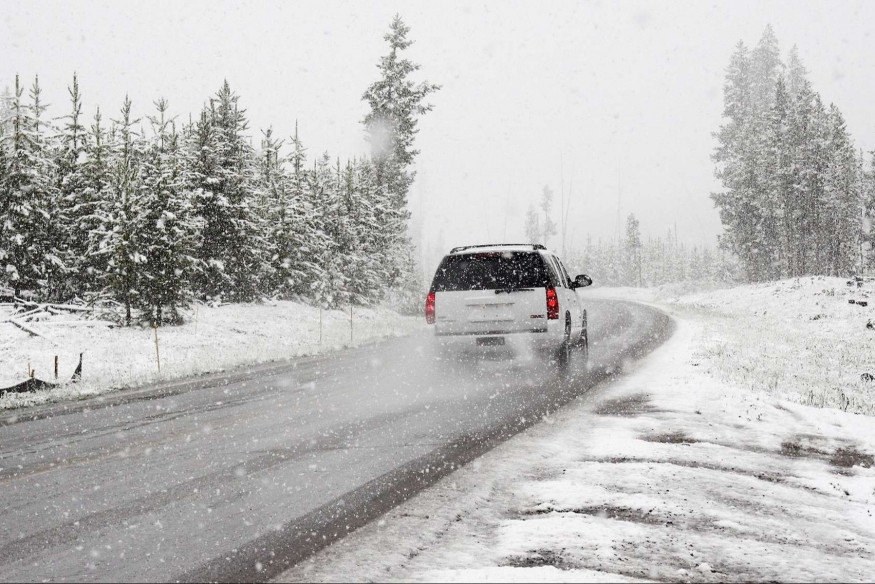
490,341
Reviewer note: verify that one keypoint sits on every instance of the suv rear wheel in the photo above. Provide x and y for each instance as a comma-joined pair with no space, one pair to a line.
564,357
583,340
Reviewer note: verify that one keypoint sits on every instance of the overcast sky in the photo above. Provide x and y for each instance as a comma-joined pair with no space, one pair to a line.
619,99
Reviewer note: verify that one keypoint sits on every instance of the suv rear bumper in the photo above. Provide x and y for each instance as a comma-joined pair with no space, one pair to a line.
514,342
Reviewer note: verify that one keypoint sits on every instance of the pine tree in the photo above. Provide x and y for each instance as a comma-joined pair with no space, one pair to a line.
766,67
5,112
305,236
93,208
869,213
548,226
792,195
274,191
810,137
843,218
29,254
361,285
371,273
75,204
797,74
233,253
779,206
633,261
533,226
330,288
396,102
737,204
168,231
122,216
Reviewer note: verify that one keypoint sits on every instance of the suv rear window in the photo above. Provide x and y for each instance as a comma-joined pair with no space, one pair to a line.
491,271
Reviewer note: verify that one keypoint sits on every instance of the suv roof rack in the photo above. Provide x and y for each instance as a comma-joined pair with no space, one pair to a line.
464,247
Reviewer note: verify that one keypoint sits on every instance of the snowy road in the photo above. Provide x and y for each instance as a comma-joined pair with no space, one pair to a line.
237,477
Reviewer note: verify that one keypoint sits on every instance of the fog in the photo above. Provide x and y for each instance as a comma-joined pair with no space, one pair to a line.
612,104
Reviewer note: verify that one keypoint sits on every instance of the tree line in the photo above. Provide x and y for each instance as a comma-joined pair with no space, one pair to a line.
151,213
654,261
797,198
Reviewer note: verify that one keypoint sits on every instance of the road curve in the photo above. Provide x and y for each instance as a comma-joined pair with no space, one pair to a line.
238,477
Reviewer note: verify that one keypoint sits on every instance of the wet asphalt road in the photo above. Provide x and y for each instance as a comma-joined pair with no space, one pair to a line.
239,476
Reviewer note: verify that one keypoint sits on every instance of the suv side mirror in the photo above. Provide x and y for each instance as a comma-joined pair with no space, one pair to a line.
582,281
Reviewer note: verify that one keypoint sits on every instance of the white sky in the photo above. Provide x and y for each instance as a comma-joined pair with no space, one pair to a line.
610,95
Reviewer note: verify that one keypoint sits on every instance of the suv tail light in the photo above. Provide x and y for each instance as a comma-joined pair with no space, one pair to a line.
429,308
552,304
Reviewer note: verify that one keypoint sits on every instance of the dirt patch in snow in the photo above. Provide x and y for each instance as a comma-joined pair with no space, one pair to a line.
617,513
849,457
676,437
844,457
795,449
628,406
767,476
538,558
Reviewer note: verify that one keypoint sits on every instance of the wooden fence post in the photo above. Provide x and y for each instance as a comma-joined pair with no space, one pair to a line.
157,354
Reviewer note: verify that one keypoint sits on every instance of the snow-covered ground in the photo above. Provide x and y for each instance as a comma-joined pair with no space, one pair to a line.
212,339
684,471
802,339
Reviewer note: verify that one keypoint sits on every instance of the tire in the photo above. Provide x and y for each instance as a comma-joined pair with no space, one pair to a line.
563,357
583,342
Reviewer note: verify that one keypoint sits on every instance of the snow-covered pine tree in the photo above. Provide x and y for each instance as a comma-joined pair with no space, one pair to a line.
706,266
168,229
869,214
5,111
200,144
369,209
121,216
800,175
737,203
233,249
748,203
766,69
863,191
778,204
56,268
396,102
28,201
76,207
352,245
811,162
533,226
308,237
797,75
766,66
325,204
633,267
94,207
548,227
843,216
273,188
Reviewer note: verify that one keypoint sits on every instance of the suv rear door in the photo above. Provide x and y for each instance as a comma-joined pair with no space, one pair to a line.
568,300
491,293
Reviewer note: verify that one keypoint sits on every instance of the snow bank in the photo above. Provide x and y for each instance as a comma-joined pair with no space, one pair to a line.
213,339
801,339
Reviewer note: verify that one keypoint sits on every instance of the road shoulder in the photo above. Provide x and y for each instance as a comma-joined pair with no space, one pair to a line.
666,474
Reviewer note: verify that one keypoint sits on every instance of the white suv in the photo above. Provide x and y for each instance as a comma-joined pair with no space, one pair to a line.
507,296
